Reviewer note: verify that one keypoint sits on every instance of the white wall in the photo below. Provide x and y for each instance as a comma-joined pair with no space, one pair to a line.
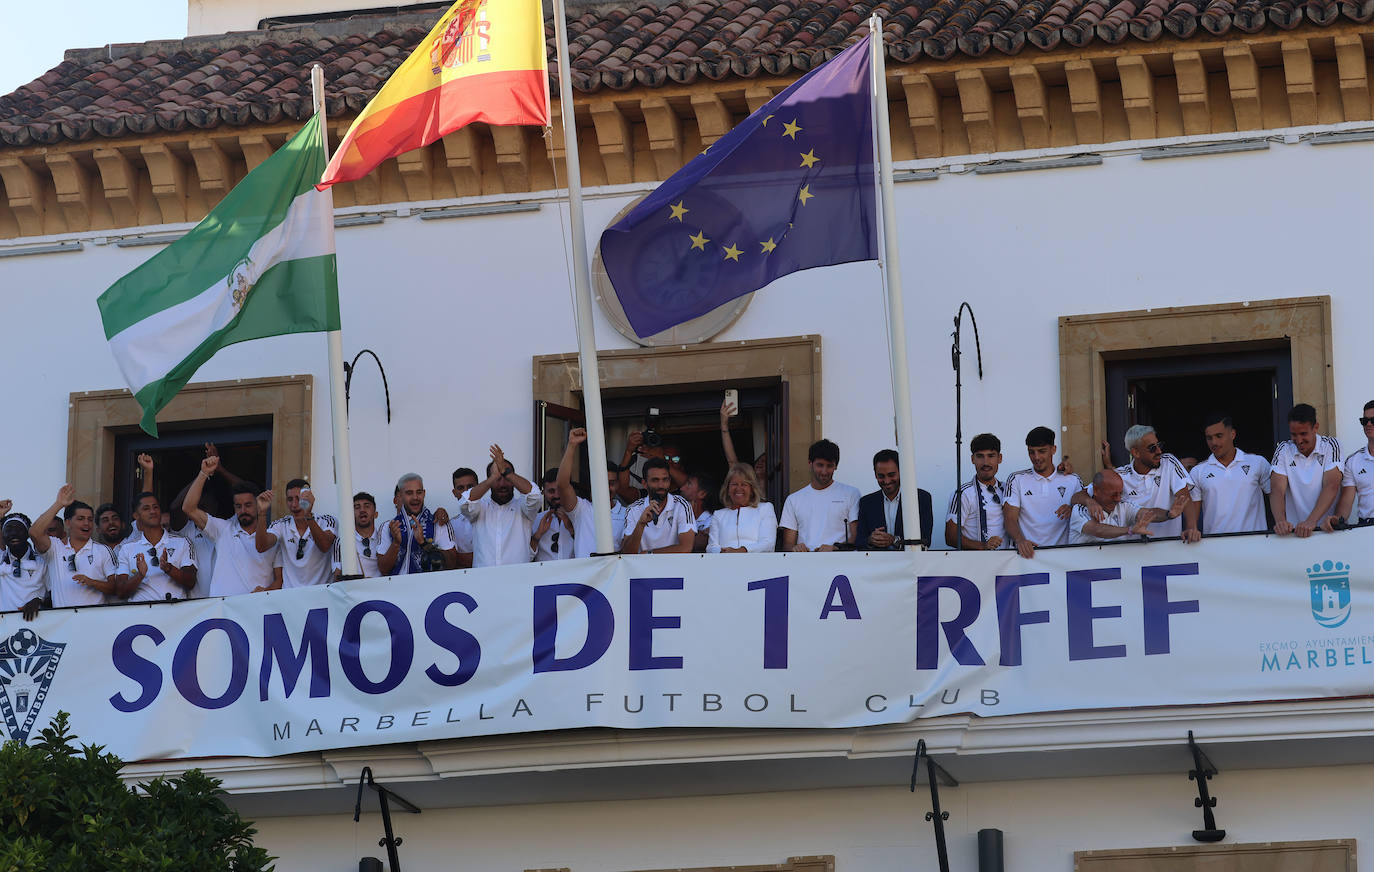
880,829
209,17
457,308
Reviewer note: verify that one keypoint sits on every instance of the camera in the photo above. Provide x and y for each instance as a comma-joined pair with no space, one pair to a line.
652,438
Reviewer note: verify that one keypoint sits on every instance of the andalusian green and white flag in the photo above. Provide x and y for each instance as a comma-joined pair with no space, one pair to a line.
261,264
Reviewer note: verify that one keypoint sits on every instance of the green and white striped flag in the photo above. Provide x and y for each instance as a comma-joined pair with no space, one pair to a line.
261,264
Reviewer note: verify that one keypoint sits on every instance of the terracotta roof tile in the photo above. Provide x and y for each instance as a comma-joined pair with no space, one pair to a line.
263,76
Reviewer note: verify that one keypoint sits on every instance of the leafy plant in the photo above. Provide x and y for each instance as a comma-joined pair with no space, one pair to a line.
65,809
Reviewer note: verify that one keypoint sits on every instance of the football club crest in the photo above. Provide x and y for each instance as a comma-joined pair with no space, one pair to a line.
1062,490
1328,584
1244,467
27,665
1158,479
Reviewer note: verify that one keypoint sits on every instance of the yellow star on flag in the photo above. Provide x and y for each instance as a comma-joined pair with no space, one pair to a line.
805,194
678,210
768,246
699,241
732,253
791,129
809,159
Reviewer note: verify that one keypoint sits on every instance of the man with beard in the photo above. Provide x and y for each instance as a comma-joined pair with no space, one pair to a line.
80,572
109,527
880,513
1120,517
414,532
975,521
554,537
581,511
659,522
825,513
305,542
367,536
239,566
500,522
1035,502
1153,479
23,573
154,564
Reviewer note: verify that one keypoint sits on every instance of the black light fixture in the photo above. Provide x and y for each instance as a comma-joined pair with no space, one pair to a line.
348,379
956,357
389,840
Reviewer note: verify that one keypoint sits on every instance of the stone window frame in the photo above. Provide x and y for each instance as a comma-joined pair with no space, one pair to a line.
1326,855
1086,342
97,418
796,359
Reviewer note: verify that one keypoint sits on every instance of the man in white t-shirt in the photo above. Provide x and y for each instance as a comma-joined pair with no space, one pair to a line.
975,520
1036,501
154,564
239,566
1305,475
1153,479
1119,517
415,540
1230,484
367,536
582,513
825,513
80,570
554,537
1357,480
501,521
23,571
305,543
659,522
464,480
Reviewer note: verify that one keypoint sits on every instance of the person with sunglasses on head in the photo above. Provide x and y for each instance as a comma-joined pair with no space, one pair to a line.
1153,479
306,542
239,567
1355,507
81,571
975,521
23,572
1230,483
154,564
367,536
1305,478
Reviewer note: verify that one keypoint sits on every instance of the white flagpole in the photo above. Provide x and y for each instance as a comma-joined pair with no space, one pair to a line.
892,269
338,409
586,334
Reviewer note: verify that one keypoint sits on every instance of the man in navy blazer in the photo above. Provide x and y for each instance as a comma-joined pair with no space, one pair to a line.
880,513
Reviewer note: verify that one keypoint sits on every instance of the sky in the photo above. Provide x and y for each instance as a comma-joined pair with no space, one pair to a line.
39,31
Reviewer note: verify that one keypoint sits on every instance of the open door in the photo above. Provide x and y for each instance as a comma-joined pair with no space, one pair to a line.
552,424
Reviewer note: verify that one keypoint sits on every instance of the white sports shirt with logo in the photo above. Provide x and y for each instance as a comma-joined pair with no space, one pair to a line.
1232,496
1039,498
1304,475
1155,489
1359,474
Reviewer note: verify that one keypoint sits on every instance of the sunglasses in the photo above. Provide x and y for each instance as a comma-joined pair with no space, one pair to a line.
1365,422
17,569
152,555
554,546
367,547
71,562
1156,448
300,548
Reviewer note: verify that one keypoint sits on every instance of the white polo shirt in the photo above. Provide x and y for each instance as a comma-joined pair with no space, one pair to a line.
675,519
204,548
368,548
1155,489
1359,474
964,507
94,561
1123,515
22,579
443,540
1232,496
460,528
239,566
821,517
1304,475
156,585
1039,497
313,566
584,525
501,534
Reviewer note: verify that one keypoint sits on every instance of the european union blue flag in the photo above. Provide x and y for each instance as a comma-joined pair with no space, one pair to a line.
788,189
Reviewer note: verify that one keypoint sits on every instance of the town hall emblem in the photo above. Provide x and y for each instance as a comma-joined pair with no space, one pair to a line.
27,665
1328,585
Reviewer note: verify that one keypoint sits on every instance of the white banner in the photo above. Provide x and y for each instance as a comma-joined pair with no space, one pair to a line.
785,640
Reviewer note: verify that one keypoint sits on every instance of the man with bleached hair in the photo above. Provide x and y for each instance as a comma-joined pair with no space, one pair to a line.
1153,479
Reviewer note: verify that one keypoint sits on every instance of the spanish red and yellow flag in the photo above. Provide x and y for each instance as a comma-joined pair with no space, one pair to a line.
483,61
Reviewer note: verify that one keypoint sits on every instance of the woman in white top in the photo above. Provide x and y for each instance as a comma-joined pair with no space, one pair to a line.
745,524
